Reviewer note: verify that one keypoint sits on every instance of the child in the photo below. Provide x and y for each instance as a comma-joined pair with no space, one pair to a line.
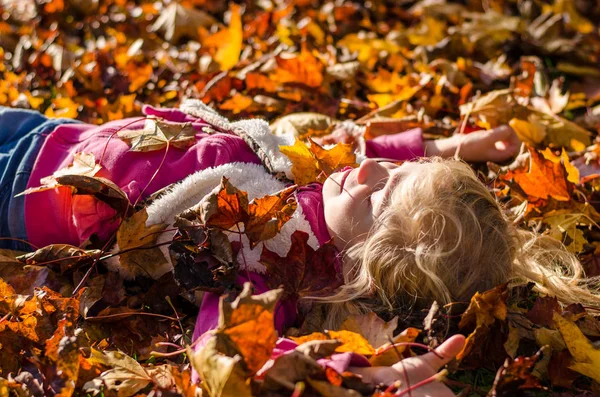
409,234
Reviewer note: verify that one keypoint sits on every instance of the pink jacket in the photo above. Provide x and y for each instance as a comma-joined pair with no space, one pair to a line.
55,216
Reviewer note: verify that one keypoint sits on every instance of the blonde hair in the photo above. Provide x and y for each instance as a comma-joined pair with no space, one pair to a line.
443,236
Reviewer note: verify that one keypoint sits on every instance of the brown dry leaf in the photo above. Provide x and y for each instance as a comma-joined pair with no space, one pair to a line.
586,357
63,256
142,259
221,375
126,376
158,134
289,369
247,328
543,310
377,331
101,188
483,311
178,21
84,164
301,124
516,375
314,163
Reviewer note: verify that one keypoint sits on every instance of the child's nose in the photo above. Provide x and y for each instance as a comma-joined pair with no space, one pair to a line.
369,171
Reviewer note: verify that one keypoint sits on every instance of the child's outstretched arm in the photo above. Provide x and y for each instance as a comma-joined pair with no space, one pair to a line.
497,145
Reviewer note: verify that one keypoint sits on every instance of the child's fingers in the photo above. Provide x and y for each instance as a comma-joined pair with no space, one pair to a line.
447,351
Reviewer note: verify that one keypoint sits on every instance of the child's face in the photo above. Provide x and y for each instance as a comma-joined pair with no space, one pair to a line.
353,199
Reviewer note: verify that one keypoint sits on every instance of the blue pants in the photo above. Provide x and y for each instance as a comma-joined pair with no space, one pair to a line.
22,133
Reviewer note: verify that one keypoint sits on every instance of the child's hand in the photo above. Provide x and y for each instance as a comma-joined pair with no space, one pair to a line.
418,369
497,145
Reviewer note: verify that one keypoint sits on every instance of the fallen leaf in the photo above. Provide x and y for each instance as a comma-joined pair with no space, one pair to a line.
63,351
158,134
543,179
141,258
303,68
377,331
350,341
268,214
62,256
394,351
586,357
531,132
84,164
228,41
177,21
516,375
314,163
126,375
303,271
543,310
301,124
262,218
247,328
221,375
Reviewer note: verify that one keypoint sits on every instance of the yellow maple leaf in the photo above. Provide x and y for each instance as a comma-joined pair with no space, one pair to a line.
531,132
565,221
586,358
314,163
230,47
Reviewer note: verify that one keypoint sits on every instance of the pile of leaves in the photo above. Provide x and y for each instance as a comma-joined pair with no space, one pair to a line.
73,322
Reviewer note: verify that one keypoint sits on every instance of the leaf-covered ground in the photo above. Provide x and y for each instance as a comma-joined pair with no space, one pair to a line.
68,326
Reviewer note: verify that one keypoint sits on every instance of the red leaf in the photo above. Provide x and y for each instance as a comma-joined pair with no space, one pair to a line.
304,271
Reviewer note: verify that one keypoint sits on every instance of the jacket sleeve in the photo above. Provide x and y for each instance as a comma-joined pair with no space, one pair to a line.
402,146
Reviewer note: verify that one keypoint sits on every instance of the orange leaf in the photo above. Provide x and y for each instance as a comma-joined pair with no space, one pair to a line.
544,179
226,207
261,82
268,214
351,341
301,68
246,327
